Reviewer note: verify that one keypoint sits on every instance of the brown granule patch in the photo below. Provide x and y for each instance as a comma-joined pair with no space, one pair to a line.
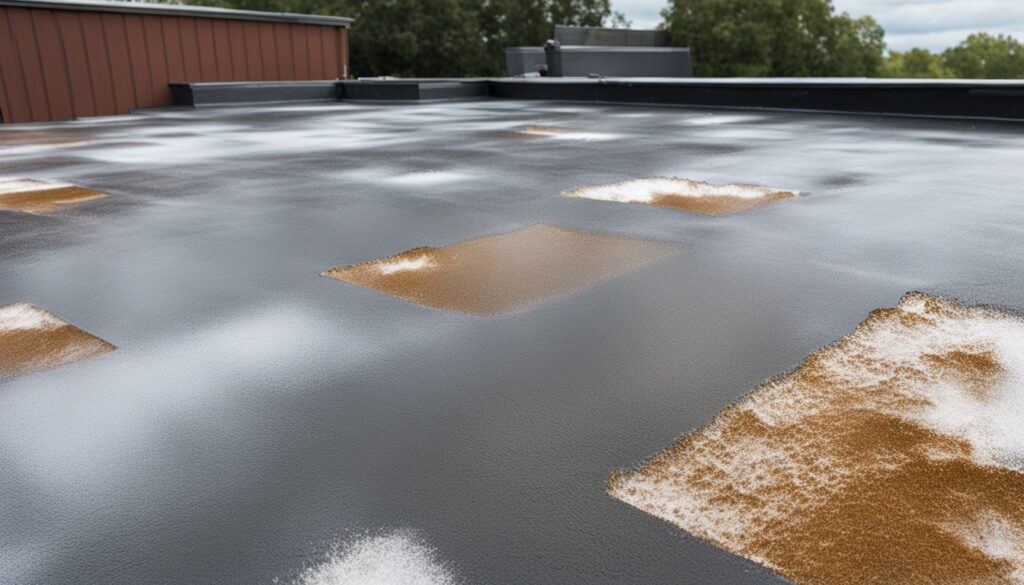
25,350
718,204
23,138
45,200
976,369
684,194
498,274
833,474
544,130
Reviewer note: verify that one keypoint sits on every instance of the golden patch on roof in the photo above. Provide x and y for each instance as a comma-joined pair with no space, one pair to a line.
676,193
506,272
895,455
39,196
32,339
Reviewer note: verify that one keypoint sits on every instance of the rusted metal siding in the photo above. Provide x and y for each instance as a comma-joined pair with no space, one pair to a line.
59,64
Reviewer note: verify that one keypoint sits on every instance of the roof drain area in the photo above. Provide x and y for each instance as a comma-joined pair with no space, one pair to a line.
908,427
676,193
504,273
32,339
40,196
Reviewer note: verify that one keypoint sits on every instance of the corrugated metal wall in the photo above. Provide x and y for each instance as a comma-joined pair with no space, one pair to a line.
63,64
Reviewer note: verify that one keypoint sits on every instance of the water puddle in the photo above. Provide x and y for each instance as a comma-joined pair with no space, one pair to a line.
394,558
39,196
893,455
565,133
32,339
503,273
695,196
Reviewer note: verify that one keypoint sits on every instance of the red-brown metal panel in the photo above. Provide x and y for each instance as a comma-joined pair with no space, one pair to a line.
58,64
98,62
152,30
55,66
254,59
116,30
190,49
315,50
83,101
236,38
18,107
173,50
343,40
330,49
222,49
207,51
268,52
24,36
139,58
299,53
283,43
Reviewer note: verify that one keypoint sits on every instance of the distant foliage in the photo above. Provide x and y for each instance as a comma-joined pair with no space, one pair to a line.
979,56
915,63
983,56
779,38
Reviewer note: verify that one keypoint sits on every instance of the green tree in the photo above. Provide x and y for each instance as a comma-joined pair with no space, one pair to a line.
530,23
983,56
439,38
416,38
782,38
915,63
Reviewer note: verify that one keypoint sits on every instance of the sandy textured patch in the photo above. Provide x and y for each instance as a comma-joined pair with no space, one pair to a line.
15,138
565,133
895,455
32,339
695,196
38,196
506,272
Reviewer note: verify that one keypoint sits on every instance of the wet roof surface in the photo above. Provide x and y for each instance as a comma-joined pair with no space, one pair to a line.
255,413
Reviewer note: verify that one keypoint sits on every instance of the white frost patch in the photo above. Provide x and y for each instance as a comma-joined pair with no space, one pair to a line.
9,185
647,190
23,316
397,558
428,178
719,119
406,265
564,134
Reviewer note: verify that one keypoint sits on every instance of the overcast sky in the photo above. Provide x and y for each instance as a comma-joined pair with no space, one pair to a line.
932,24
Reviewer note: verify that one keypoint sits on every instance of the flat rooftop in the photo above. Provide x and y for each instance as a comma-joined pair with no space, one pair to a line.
255,413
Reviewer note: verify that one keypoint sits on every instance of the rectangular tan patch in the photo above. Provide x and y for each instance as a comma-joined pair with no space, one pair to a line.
32,339
38,196
502,273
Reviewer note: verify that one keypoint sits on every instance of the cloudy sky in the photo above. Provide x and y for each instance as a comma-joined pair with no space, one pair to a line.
933,24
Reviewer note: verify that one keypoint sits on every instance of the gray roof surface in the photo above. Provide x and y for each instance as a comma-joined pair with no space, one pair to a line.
256,413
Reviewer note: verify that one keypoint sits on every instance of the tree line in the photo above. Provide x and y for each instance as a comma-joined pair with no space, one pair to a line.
777,38
785,38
